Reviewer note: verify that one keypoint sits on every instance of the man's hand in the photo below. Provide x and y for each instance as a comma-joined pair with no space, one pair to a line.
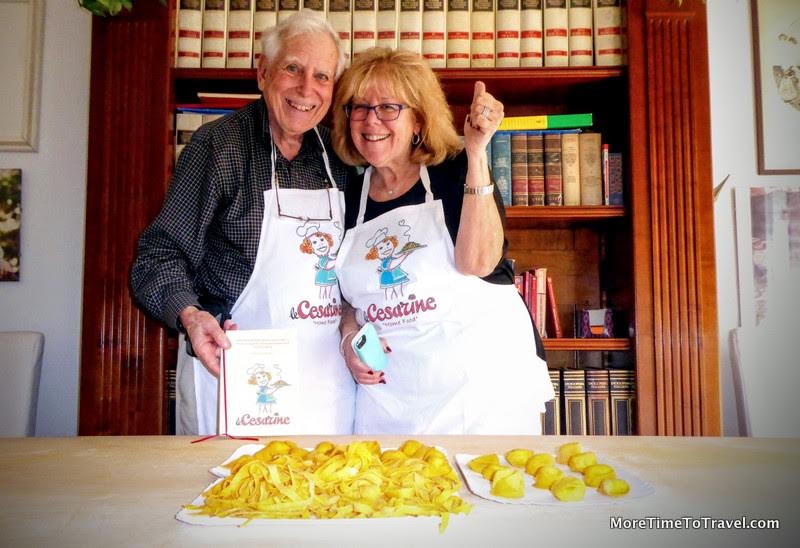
207,337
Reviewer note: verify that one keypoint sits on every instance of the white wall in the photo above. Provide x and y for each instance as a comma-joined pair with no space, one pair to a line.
733,134
48,296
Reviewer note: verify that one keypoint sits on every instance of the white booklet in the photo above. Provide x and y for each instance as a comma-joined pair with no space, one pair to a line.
259,383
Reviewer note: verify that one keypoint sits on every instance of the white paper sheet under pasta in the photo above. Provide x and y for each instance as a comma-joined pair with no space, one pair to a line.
481,487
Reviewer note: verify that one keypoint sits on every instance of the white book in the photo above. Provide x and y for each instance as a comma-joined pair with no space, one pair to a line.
556,43
409,25
214,27
607,33
387,24
189,33
340,19
506,43
186,123
458,26
482,32
581,52
287,8
531,46
570,169
317,7
434,24
623,16
239,47
265,16
260,384
364,25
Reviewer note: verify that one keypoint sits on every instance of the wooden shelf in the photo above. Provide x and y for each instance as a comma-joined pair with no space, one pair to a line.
587,344
565,213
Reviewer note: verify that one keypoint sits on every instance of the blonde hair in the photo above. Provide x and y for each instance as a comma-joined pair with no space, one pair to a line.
408,76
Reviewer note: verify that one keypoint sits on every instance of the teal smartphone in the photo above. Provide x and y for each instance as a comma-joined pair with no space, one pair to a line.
368,347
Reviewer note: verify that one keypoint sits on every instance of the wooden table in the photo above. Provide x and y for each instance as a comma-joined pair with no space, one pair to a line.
125,491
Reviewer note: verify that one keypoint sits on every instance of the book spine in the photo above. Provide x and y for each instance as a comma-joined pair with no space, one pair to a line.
364,25
458,26
507,23
570,168
556,43
434,25
554,325
189,33
622,387
317,7
551,420
387,24
604,160
590,168
569,121
287,8
541,301
339,17
575,402
623,20
214,27
530,34
264,17
553,193
607,33
519,283
529,279
482,32
186,123
615,192
501,164
598,402
239,48
535,168
519,169
581,53
409,25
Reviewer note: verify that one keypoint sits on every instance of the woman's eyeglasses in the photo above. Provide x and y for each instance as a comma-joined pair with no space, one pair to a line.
385,112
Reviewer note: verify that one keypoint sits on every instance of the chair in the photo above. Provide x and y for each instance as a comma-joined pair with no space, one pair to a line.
765,364
20,369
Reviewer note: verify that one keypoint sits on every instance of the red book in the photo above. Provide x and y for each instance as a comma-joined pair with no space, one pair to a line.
554,322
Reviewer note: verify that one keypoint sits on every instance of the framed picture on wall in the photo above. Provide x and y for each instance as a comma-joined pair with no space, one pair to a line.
10,212
776,60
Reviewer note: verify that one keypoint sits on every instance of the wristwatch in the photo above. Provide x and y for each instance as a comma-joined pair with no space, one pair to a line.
479,190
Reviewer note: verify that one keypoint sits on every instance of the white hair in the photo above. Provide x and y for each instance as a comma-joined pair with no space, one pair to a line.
302,22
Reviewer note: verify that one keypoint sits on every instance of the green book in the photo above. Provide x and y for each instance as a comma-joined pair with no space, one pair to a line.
545,121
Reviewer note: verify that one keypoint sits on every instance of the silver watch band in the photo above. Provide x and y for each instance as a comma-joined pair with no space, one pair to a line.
479,190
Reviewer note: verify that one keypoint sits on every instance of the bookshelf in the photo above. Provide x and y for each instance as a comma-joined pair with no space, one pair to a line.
652,257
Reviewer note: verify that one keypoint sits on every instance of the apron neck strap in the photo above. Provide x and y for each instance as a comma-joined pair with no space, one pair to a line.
274,158
362,205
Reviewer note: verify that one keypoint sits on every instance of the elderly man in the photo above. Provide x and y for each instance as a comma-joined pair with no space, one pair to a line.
252,216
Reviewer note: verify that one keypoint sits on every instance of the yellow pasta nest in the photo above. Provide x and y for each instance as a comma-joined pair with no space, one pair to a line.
537,461
580,461
508,483
547,475
490,469
337,481
615,487
479,463
518,457
568,489
567,450
596,473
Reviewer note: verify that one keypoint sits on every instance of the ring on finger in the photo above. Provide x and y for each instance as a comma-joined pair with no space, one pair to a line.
485,112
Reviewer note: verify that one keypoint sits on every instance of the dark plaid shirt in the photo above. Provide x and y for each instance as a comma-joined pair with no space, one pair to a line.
205,239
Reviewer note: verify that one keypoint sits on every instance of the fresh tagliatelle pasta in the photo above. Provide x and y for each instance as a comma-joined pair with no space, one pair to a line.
357,480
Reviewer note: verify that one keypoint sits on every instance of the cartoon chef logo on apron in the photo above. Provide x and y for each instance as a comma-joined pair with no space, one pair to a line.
393,278
321,245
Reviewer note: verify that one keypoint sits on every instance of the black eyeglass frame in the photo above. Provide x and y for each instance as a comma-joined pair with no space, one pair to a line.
303,218
348,111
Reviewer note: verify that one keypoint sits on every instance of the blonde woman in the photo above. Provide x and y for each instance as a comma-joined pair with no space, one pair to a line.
461,344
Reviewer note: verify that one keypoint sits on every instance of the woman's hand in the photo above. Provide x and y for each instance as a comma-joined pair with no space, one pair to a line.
485,115
362,373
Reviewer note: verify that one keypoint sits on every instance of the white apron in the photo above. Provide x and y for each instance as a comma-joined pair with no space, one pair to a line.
463,357
293,285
